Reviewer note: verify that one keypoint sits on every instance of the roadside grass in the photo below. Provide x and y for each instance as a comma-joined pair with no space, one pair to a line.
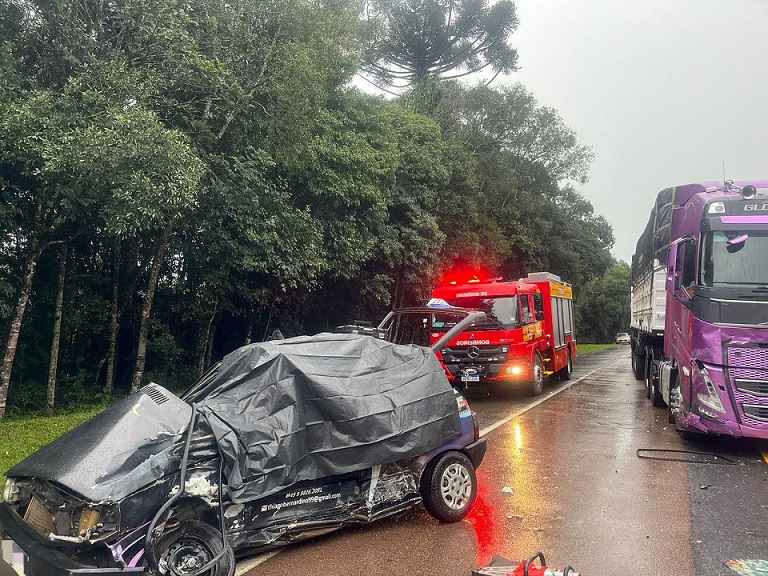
20,437
587,348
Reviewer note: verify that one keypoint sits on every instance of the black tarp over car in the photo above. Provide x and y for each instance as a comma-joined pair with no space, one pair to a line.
315,406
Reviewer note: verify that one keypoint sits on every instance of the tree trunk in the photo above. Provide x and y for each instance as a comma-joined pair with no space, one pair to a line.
211,337
56,341
141,347
13,337
203,359
114,320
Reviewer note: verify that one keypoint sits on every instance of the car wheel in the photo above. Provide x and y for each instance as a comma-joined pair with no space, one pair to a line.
191,546
567,370
450,487
537,384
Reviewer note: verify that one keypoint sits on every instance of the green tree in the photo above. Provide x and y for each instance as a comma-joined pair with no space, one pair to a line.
415,40
602,307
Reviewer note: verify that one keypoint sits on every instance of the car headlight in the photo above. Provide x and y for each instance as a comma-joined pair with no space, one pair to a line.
10,492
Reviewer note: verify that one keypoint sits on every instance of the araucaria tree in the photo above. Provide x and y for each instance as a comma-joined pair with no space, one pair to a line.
413,41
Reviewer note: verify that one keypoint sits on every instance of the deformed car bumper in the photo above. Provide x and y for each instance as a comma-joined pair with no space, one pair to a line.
476,452
41,558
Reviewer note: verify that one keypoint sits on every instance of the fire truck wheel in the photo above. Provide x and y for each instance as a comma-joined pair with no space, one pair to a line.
567,370
537,384
449,487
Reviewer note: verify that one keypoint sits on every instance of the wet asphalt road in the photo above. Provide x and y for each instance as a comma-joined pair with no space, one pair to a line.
564,477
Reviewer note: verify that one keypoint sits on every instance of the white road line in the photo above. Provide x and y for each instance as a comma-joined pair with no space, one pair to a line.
540,399
253,561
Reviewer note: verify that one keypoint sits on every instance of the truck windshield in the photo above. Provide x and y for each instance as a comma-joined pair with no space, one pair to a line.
502,312
744,262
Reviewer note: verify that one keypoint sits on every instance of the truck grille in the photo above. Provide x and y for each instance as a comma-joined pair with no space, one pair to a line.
489,359
756,412
749,358
748,370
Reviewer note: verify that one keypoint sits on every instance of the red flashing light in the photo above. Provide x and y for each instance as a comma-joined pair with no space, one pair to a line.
457,277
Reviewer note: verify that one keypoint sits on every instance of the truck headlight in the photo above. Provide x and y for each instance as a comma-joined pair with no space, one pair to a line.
700,378
10,492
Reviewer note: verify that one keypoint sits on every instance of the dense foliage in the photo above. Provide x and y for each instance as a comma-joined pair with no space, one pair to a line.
198,173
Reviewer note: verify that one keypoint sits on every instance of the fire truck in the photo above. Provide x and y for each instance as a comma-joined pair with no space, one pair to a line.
528,333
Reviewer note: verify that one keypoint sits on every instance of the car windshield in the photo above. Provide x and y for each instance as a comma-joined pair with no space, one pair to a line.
416,327
743,261
502,312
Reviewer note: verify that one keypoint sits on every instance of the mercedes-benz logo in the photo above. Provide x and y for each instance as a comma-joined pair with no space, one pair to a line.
473,352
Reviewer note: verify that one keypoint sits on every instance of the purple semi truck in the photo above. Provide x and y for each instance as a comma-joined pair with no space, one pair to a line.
699,324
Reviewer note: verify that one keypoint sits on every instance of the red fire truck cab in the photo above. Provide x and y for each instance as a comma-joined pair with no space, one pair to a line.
528,334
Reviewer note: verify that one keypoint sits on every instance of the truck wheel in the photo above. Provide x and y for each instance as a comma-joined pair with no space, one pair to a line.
671,405
537,384
638,365
567,370
647,380
191,546
449,487
652,382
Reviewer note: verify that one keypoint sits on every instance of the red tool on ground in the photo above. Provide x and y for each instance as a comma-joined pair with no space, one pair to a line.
500,566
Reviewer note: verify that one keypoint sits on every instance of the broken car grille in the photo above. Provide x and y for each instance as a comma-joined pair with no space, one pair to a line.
38,516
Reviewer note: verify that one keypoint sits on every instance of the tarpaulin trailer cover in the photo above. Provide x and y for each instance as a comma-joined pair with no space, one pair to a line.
314,406
654,242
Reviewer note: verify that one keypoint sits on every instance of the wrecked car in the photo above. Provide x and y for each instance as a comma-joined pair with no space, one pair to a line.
281,441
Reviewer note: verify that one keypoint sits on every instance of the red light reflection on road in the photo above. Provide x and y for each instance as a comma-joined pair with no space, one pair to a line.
483,519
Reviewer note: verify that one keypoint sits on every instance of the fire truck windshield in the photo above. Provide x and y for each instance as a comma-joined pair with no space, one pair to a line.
502,312
742,261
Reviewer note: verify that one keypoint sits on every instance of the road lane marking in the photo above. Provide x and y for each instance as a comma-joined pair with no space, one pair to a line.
253,561
540,399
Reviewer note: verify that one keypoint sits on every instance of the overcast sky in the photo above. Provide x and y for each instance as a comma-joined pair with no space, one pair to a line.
664,91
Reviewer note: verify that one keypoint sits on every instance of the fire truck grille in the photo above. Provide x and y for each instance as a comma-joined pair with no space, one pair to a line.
473,354
488,360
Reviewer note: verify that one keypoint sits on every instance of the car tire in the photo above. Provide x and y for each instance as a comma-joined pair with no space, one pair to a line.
537,384
567,370
449,487
189,547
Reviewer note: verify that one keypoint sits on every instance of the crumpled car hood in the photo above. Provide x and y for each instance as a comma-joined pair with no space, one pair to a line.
117,452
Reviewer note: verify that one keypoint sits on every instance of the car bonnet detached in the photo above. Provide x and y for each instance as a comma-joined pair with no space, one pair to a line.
288,439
